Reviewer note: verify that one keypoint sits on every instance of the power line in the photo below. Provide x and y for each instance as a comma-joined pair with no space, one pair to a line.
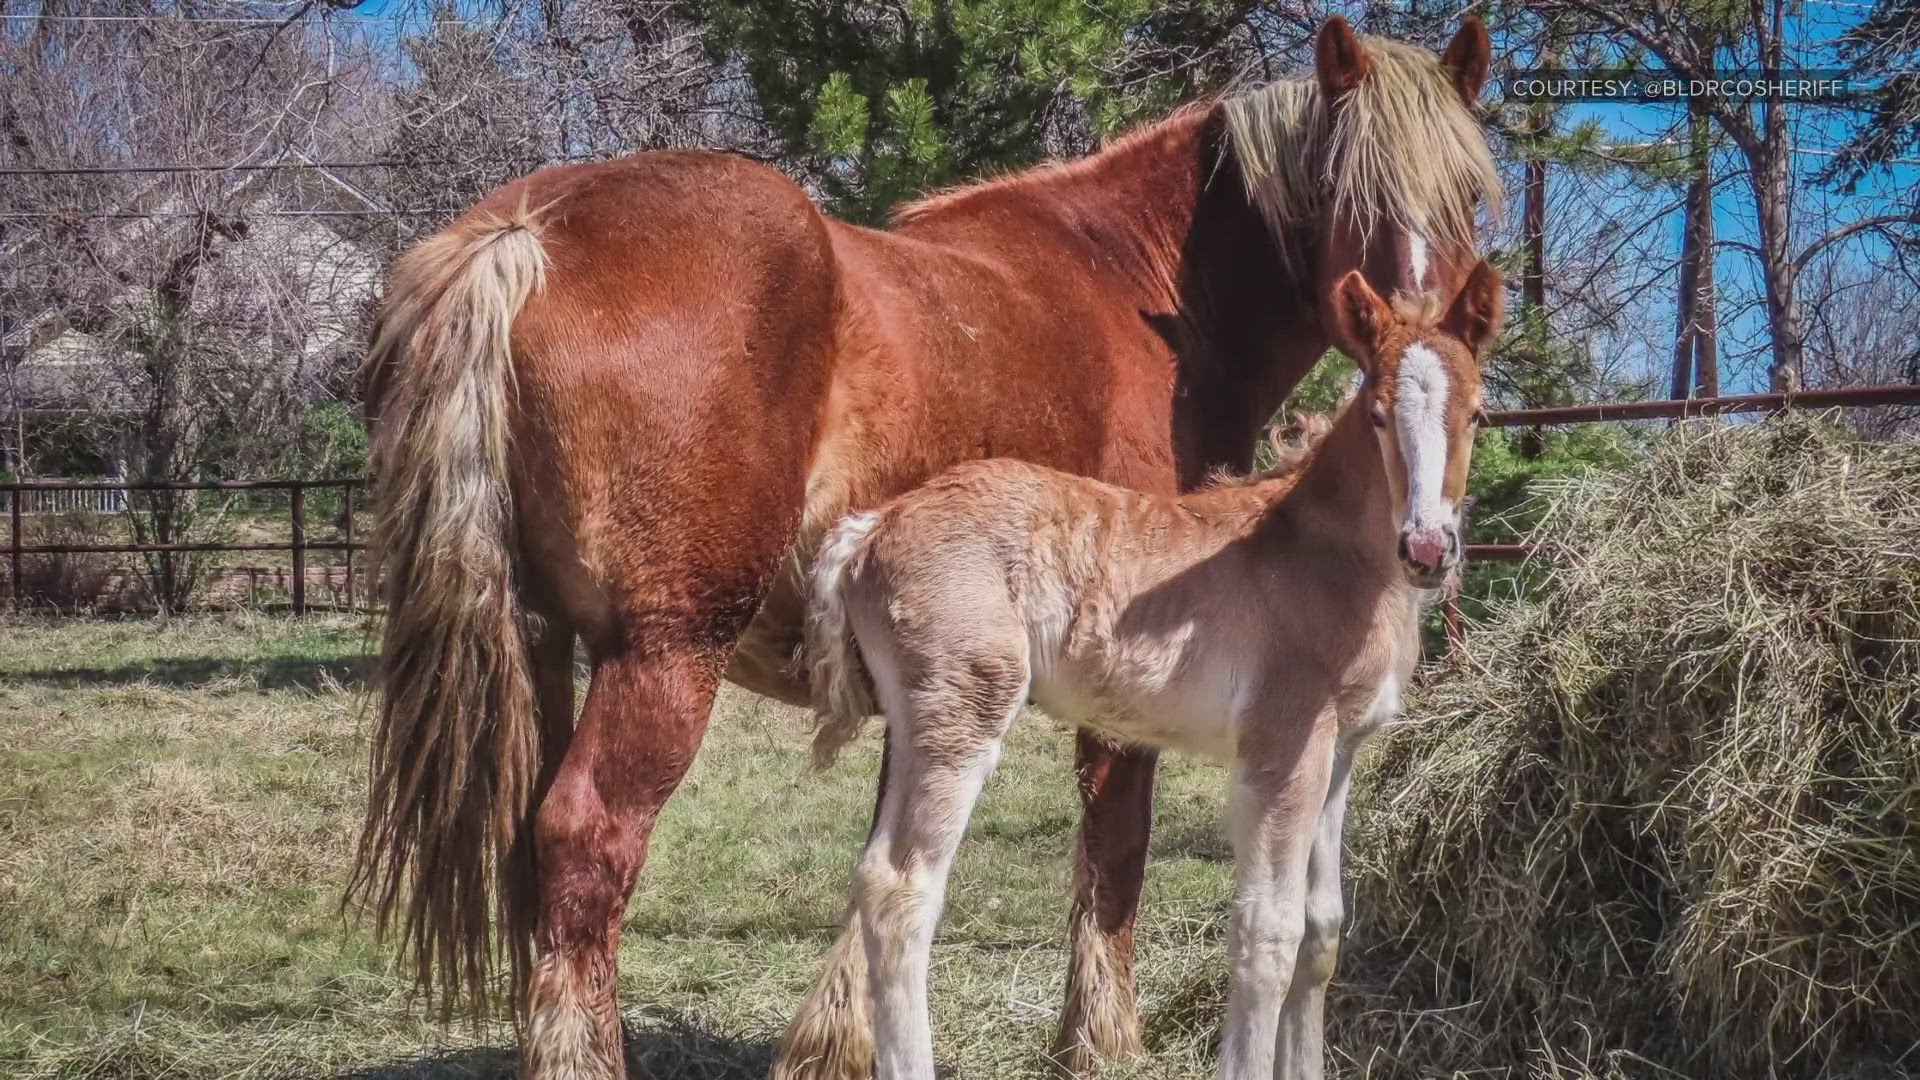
54,215
1829,153
105,170
96,170
226,19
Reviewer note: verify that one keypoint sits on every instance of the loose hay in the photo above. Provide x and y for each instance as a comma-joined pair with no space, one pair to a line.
1662,818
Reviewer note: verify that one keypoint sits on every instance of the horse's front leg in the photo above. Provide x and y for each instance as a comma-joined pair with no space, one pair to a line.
1301,1052
1279,788
1102,1015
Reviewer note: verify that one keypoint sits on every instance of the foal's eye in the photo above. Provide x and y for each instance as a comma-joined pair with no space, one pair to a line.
1379,416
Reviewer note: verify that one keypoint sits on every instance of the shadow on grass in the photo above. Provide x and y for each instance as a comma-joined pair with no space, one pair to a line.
1202,840
667,1046
274,673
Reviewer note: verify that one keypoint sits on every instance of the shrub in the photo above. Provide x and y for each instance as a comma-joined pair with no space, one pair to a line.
72,582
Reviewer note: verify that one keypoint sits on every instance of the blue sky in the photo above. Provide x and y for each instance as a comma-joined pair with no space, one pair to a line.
1812,30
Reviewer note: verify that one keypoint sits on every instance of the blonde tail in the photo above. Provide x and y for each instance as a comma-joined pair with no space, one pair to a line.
455,746
842,687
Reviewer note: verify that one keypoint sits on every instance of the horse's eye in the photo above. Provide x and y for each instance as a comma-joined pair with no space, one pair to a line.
1379,417
1480,416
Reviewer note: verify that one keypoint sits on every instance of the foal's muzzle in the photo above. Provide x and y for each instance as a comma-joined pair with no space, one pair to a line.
1429,553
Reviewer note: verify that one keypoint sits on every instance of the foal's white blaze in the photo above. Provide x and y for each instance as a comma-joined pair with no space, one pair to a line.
1422,408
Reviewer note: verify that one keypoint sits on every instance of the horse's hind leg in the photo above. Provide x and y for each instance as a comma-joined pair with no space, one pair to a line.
645,713
831,1036
1101,1016
551,665
947,734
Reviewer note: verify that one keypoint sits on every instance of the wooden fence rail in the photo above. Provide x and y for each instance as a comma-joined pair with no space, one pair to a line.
17,494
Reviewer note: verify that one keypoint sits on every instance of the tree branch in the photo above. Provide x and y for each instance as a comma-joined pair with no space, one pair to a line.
1670,43
1811,251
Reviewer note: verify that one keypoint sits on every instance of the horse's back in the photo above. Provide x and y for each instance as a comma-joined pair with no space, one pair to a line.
714,372
674,248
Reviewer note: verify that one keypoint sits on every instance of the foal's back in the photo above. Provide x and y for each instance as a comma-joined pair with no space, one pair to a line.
1111,608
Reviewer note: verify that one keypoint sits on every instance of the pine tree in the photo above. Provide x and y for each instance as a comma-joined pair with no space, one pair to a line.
883,101
1885,45
1695,40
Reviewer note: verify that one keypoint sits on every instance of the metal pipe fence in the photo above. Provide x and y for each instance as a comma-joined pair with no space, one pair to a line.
1678,408
24,498
1667,409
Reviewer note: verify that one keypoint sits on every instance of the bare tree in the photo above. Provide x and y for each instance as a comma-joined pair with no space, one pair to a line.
1757,41
1863,329
178,298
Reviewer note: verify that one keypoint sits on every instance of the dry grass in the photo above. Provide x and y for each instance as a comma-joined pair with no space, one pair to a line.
178,803
1658,823
1664,818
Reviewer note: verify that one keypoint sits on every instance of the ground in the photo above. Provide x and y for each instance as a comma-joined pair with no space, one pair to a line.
178,802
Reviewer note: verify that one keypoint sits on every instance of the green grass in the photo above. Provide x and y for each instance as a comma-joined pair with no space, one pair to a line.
178,802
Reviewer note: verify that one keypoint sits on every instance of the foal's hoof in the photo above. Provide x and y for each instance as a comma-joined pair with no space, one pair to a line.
828,1040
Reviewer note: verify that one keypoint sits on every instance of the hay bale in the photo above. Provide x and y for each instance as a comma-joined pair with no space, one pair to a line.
1662,817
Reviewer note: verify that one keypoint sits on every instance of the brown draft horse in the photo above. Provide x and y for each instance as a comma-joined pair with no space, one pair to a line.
621,402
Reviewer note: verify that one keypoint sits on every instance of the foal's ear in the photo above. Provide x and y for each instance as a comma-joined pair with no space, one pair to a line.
1360,318
1474,317
1339,60
1468,58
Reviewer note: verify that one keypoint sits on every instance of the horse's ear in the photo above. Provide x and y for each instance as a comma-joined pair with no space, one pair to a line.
1475,315
1339,60
1360,319
1468,58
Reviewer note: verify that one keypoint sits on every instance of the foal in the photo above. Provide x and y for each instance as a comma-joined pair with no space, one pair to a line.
1269,624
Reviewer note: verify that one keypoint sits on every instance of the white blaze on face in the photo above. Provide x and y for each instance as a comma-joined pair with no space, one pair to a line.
1417,261
1421,405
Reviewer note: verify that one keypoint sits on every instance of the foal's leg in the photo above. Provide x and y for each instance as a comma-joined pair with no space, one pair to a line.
1101,1015
1301,1054
1277,795
947,734
831,1036
645,713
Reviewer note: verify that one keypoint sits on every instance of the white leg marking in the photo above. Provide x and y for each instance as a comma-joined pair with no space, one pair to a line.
1272,836
901,883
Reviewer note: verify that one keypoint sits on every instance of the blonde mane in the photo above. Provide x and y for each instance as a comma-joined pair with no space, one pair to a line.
1421,311
1400,147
